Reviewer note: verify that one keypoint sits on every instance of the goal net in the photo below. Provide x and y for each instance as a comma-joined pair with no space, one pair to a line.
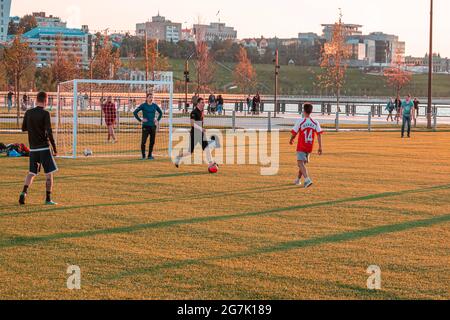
83,124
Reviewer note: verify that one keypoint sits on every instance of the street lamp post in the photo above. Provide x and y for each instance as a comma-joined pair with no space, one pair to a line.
277,72
430,71
186,80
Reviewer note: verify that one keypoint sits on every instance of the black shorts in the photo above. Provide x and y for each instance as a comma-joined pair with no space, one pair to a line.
42,158
198,139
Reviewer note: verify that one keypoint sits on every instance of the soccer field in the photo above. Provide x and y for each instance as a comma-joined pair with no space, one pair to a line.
145,230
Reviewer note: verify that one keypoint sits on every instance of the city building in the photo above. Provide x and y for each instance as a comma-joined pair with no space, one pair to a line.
420,64
349,30
215,31
43,42
5,10
388,48
308,38
187,35
50,21
160,29
260,44
14,20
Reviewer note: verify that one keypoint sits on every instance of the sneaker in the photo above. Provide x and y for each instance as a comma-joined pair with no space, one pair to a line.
151,158
22,198
298,182
177,162
308,184
50,203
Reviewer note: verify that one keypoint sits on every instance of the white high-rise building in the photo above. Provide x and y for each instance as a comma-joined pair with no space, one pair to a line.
5,9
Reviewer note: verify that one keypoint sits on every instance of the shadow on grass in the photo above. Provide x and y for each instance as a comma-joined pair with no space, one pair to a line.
21,241
291,245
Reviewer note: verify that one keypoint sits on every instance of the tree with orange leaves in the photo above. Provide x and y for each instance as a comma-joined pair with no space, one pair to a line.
156,62
17,59
244,73
65,66
106,61
334,62
396,76
205,67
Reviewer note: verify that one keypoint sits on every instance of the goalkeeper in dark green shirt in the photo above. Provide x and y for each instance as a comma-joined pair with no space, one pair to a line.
149,124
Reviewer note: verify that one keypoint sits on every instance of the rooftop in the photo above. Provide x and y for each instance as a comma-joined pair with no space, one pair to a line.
53,31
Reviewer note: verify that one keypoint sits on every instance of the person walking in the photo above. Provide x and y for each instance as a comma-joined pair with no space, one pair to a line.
110,112
24,102
407,110
390,108
149,124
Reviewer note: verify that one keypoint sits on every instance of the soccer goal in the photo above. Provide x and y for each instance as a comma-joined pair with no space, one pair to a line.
82,125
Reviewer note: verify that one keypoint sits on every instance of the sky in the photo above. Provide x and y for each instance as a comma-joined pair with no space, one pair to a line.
408,19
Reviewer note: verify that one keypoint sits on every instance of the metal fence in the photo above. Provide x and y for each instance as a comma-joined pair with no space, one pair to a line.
362,113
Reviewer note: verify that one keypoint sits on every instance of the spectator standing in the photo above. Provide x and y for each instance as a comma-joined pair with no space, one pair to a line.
10,100
398,108
249,103
416,111
211,103
407,111
220,104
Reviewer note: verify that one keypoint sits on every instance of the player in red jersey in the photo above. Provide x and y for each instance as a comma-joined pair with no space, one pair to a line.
307,129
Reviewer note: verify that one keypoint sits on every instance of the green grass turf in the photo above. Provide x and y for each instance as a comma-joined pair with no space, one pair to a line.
144,230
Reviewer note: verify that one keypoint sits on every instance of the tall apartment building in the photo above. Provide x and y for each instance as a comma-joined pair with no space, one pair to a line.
214,31
43,42
50,21
160,29
5,10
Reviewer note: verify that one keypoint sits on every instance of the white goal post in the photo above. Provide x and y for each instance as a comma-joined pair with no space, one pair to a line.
82,127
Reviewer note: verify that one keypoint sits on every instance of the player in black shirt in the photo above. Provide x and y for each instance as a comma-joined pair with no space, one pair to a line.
37,123
198,136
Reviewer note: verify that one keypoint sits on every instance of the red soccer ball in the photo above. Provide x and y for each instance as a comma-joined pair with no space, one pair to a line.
213,169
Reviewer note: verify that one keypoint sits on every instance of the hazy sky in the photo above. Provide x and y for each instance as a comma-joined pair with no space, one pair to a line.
282,18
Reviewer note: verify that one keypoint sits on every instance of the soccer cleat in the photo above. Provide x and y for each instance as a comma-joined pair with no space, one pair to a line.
50,203
308,184
22,198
